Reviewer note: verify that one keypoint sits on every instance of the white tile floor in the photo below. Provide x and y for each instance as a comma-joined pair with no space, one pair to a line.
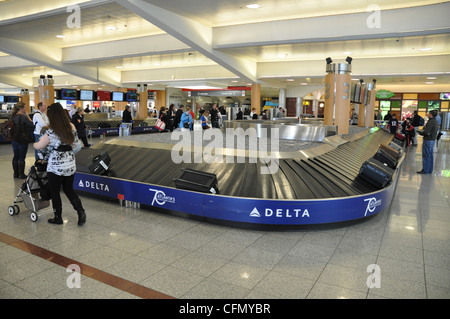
190,259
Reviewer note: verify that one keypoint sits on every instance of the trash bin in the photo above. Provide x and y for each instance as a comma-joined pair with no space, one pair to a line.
125,129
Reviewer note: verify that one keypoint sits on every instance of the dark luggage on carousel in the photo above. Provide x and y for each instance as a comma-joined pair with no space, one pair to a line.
394,152
399,139
383,157
92,161
197,181
376,173
104,124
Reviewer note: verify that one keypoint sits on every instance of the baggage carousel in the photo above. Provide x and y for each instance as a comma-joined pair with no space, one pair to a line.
313,187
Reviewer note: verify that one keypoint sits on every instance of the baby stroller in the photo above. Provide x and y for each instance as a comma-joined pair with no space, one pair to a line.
34,192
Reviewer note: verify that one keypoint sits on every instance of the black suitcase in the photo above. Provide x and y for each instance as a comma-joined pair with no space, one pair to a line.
92,161
376,173
197,181
383,157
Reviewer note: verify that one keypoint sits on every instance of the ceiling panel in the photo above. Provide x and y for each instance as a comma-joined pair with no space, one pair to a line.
107,21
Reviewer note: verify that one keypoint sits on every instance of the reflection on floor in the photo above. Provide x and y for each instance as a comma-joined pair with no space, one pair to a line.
163,256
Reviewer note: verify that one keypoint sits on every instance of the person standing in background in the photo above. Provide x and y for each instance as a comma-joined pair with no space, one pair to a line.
78,122
40,120
429,134
393,124
416,122
23,130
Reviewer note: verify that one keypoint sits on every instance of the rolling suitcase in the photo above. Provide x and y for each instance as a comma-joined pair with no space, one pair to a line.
395,153
376,173
383,157
92,161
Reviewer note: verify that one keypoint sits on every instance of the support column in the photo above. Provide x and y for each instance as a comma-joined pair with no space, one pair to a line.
337,96
142,112
256,97
370,107
25,98
160,99
282,99
362,108
299,107
46,90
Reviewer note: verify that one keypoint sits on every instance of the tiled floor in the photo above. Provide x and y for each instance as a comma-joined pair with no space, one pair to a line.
189,259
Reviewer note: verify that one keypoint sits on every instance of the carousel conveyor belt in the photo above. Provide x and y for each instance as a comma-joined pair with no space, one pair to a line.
330,175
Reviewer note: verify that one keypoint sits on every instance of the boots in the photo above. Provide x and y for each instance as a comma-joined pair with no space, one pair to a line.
15,165
81,218
57,219
76,203
21,167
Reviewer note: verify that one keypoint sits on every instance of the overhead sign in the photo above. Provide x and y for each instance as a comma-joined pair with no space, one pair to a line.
384,94
217,93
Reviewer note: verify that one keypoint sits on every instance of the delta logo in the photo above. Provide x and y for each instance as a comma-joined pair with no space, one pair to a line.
280,213
93,185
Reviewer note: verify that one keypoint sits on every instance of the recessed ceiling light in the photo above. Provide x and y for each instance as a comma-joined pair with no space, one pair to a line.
290,80
60,36
429,82
119,67
304,83
111,28
253,6
426,49
235,81
431,78
347,52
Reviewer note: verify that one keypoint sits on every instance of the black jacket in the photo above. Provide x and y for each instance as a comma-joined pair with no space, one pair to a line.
23,129
416,120
177,117
430,130
126,116
78,122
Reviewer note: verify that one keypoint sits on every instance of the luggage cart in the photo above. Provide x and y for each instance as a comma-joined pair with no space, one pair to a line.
33,192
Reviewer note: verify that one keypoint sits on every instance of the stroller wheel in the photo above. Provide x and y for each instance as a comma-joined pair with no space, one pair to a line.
13,210
33,216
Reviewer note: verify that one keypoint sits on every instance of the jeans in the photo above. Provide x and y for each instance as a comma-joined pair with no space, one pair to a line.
54,184
20,151
427,156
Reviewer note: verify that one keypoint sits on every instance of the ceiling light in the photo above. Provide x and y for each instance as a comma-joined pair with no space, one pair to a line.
429,82
60,36
119,67
303,83
431,78
111,28
426,49
253,6
290,80
347,52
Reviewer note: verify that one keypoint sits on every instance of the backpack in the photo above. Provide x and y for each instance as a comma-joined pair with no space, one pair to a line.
7,130
421,121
